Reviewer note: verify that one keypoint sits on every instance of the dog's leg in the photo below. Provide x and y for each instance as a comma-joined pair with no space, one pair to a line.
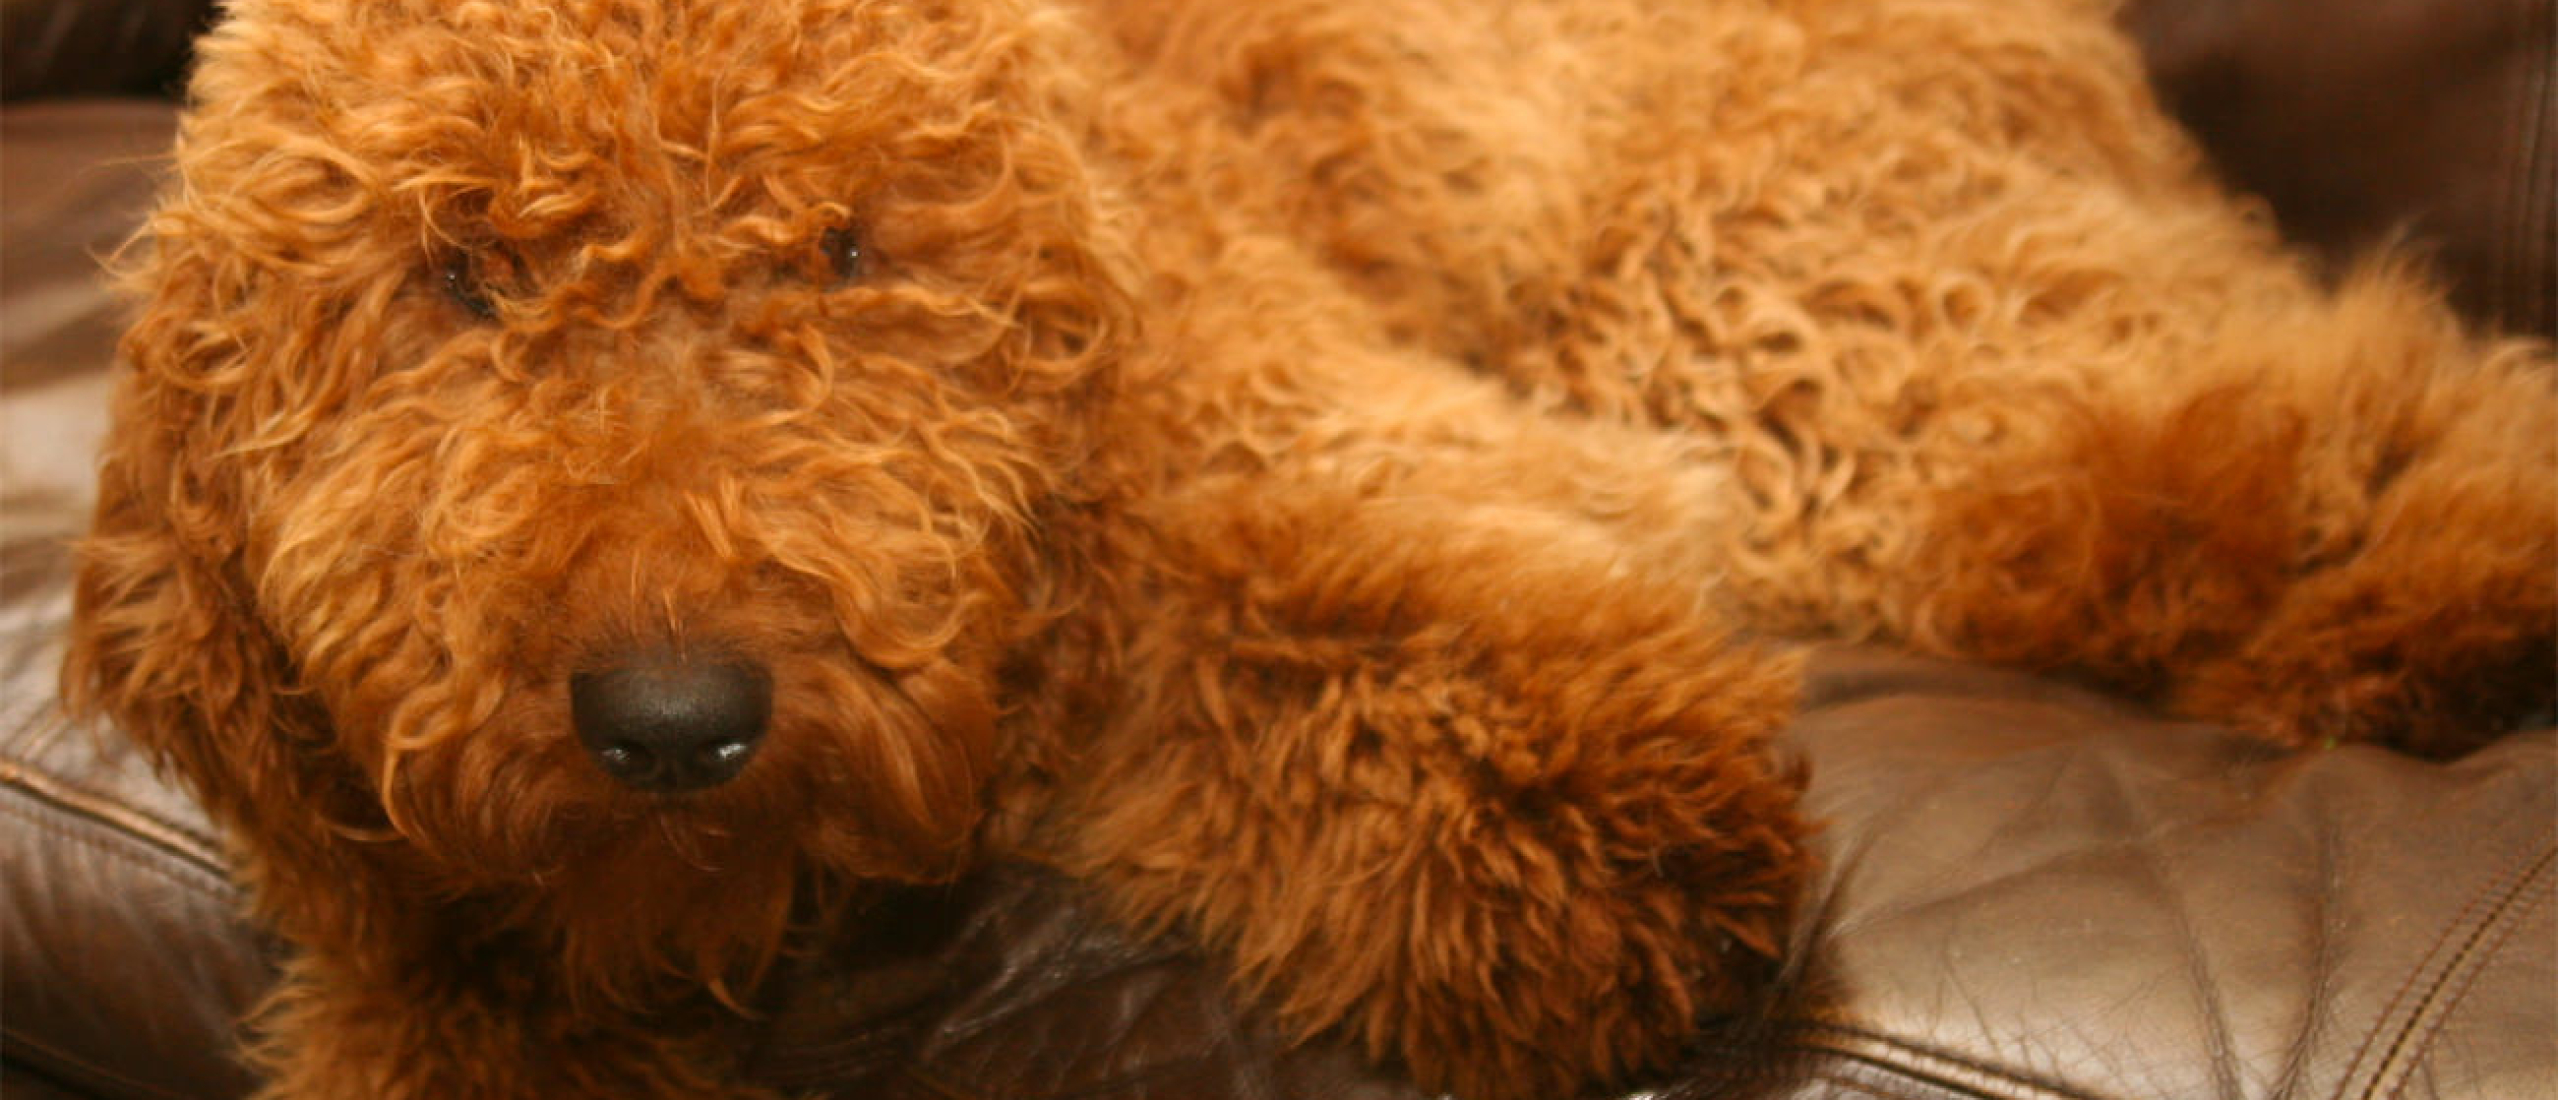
2419,602
2340,524
1453,779
368,1029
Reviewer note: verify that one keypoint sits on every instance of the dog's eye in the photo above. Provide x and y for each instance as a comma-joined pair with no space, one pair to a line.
461,279
843,249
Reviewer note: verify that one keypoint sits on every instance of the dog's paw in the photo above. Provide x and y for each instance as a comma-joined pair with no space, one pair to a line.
1554,945
1511,871
2423,663
1479,791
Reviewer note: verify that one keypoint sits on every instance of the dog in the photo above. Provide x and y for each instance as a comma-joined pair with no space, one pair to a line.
604,485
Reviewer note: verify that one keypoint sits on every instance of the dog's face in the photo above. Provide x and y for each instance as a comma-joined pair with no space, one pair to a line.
624,421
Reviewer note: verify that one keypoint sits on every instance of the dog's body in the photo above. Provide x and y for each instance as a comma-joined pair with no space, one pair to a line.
1331,474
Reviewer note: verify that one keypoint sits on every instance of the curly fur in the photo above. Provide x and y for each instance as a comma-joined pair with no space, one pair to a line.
1339,476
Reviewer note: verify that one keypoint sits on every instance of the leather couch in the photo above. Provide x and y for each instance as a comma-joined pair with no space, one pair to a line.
2031,890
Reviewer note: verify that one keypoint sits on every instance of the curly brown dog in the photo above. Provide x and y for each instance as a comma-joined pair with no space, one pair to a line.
605,482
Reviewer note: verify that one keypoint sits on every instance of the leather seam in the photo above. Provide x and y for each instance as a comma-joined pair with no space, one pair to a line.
1844,1084
1925,1064
2461,953
184,841
2540,199
2525,160
208,882
56,1062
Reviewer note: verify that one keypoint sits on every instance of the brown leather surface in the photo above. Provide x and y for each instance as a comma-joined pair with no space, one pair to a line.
2363,119
2036,893
75,47
17,1083
2032,891
121,960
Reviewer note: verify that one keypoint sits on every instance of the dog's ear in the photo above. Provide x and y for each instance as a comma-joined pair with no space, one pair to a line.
165,637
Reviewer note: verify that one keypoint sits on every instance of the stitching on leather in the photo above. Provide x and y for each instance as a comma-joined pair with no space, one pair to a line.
2539,198
2530,168
2407,985
1840,1084
1903,1058
2518,162
57,1062
37,717
2422,1006
2512,165
209,882
178,837
2460,975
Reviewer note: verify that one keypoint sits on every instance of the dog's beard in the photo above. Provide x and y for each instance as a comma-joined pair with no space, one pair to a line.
867,775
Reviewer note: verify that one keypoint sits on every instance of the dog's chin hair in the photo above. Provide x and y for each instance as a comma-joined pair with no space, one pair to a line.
640,895
627,930
546,824
685,900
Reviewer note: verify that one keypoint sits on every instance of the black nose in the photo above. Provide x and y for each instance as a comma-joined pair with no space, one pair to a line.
672,725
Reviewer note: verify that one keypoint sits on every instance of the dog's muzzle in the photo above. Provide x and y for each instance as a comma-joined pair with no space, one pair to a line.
671,725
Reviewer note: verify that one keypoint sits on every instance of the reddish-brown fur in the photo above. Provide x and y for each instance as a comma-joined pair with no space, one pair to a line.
1338,475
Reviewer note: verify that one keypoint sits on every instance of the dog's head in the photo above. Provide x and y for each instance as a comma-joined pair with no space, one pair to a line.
597,446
